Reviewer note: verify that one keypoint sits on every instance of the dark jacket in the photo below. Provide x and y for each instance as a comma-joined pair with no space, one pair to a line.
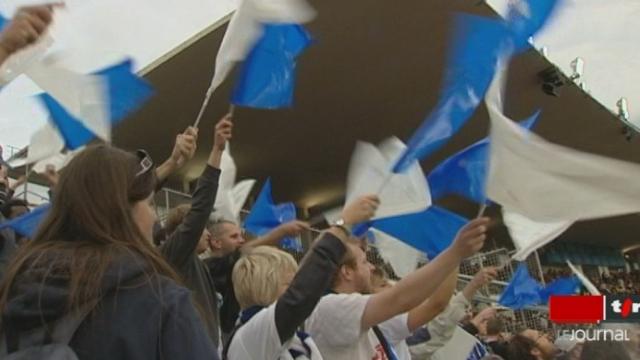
180,250
7,236
140,315
221,269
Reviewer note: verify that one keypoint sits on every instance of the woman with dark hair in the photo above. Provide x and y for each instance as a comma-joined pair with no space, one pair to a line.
94,251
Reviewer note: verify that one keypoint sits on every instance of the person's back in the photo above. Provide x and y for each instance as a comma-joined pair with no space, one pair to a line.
93,251
138,317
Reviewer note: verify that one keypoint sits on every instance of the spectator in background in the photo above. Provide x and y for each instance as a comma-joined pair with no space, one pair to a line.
609,350
494,339
93,251
227,244
531,345
440,330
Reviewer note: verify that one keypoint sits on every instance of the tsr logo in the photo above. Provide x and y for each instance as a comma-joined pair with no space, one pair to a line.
625,308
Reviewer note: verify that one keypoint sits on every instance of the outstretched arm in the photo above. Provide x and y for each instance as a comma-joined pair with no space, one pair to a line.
416,287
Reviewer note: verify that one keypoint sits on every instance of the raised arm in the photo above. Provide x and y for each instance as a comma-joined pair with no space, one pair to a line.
26,27
184,241
183,151
318,270
292,228
434,305
414,288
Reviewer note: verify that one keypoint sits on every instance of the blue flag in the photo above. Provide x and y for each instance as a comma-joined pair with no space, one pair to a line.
265,216
268,74
3,22
465,173
476,46
27,224
562,286
475,49
126,93
522,291
527,17
430,231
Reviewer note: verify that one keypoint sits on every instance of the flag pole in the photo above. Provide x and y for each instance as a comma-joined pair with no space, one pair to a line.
483,207
384,183
202,109
232,110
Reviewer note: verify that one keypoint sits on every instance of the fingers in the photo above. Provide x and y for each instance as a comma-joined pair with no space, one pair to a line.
224,128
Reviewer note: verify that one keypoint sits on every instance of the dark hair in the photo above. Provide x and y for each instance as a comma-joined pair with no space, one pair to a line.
609,350
215,227
89,226
13,202
495,326
520,348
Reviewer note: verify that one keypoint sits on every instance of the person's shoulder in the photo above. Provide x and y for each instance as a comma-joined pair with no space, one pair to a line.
339,303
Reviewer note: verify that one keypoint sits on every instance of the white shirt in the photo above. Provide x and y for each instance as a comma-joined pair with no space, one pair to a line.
335,326
258,339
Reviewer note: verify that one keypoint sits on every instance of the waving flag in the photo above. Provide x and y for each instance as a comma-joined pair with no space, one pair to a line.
522,291
266,216
246,28
550,183
430,231
370,173
478,46
465,173
526,17
529,235
568,285
27,224
268,74
85,106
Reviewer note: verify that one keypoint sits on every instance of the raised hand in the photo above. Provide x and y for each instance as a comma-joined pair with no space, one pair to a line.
360,210
471,237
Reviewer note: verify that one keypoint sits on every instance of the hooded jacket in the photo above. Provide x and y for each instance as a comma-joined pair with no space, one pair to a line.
140,315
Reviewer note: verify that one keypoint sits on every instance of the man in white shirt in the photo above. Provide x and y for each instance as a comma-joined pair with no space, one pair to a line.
347,325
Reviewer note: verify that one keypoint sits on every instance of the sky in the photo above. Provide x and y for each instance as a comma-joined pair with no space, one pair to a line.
91,34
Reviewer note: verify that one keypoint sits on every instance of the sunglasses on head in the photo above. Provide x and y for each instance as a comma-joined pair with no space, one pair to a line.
146,163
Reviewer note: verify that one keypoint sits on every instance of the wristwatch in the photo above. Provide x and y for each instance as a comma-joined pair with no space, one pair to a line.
346,228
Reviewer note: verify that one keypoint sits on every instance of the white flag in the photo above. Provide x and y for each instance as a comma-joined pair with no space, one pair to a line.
370,173
403,258
231,196
529,235
44,143
551,183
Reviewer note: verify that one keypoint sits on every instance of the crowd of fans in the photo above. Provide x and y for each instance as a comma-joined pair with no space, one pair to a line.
102,279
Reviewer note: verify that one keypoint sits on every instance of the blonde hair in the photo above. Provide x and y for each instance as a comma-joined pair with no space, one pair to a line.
258,274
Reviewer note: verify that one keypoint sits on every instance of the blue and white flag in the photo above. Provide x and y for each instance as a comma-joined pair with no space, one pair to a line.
246,28
478,47
430,231
83,107
465,173
27,224
265,216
